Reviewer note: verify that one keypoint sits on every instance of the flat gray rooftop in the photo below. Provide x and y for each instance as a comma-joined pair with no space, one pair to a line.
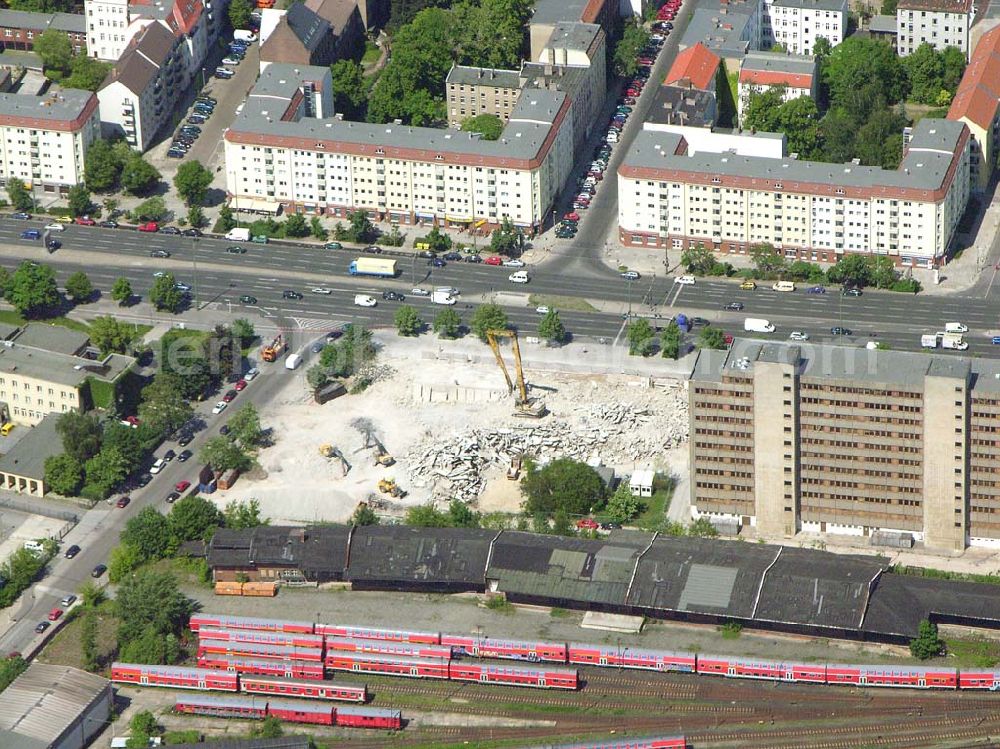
554,11
27,457
779,62
465,75
66,105
53,338
575,35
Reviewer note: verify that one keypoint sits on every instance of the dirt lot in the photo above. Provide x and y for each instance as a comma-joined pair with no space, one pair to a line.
451,430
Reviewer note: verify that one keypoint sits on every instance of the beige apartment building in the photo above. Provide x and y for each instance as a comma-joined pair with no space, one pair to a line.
792,437
475,91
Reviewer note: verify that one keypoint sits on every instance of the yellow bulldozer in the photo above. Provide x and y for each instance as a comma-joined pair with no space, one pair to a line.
390,487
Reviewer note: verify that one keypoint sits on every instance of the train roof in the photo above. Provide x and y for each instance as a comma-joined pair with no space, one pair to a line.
261,647
623,744
262,633
208,700
388,658
509,669
505,641
228,621
380,630
629,650
375,712
311,683
895,670
171,670
304,706
239,661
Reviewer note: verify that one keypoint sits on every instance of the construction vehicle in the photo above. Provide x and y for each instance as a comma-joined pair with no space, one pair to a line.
390,487
367,430
331,452
525,407
275,349
382,456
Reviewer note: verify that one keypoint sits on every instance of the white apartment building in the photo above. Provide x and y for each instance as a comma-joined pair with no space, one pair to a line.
797,24
762,71
940,23
672,197
44,139
277,152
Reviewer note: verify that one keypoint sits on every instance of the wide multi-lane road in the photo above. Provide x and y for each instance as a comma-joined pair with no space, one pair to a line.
265,271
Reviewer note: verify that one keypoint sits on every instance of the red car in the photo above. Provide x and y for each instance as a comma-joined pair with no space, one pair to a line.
230,396
55,614
587,523
150,226
728,338
629,101
571,216
494,260
84,221
123,501
632,92
182,486
241,385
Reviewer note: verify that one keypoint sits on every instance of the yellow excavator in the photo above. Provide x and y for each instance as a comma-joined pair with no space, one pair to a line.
331,452
390,487
525,407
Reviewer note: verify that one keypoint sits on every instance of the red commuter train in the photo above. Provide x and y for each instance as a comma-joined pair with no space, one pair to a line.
263,667
223,621
386,647
372,633
388,665
178,677
485,647
292,711
259,650
288,639
628,657
320,690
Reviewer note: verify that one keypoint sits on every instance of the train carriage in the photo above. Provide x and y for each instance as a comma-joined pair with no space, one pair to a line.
262,637
746,668
659,742
177,677
914,677
979,680
387,647
259,650
485,647
222,707
374,663
287,669
320,690
368,717
302,711
518,676
344,631
628,657
224,621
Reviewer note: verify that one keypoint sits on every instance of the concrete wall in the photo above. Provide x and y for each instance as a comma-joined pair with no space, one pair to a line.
946,401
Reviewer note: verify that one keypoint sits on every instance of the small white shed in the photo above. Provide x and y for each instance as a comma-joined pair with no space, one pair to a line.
640,483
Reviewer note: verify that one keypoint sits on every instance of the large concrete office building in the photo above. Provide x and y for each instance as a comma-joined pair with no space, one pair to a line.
835,439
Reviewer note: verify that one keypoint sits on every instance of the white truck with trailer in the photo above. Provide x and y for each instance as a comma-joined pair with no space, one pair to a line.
757,325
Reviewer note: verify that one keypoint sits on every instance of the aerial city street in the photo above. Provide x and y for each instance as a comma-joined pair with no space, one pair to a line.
536,374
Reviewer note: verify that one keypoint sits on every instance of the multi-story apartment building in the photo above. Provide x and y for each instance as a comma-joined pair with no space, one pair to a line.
474,91
940,23
44,139
548,14
729,30
671,196
694,67
977,104
797,24
837,439
762,71
19,28
315,32
282,149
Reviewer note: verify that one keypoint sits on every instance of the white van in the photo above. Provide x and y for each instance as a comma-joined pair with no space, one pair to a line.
784,286
293,361
238,235
955,327
363,300
519,277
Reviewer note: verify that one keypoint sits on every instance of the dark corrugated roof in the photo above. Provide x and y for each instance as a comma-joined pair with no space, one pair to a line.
899,602
318,551
408,554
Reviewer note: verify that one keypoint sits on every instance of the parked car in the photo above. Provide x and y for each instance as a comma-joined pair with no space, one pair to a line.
392,296
55,226
852,291
797,335
148,226
684,280
31,234
109,224
67,601
21,216
219,407
184,456
587,524
72,551
735,306
630,275
182,486
333,246
84,221
816,290
170,230
99,570
494,260
236,250
231,60
173,497
41,627
191,232
240,385
123,502
55,614
230,396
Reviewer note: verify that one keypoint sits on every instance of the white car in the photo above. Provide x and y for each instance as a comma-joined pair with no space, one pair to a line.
363,300
158,466
251,374
55,227
519,277
513,263
798,335
230,61
322,290
543,310
685,280
219,407
420,292
159,274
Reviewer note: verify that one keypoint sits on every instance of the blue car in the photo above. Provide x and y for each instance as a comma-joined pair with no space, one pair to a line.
816,290
31,234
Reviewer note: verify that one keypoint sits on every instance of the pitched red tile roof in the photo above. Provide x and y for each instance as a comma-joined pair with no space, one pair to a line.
185,15
775,78
939,6
697,65
978,94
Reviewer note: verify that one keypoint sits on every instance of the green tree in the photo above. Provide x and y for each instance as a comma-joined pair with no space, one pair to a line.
407,321
121,292
703,528
633,39
837,130
879,142
622,505
952,68
767,260
244,427
551,328
196,216
364,515
151,599
564,484
123,561
361,230
56,51
447,324
889,7
426,516
882,271
148,532
163,404
244,514
19,196
761,110
799,120
10,669
165,295
87,73
316,376
488,125
925,69
192,181
316,228
223,455
639,334
106,470
858,62
461,516
88,641
127,442
349,88
851,269
698,260
102,167
194,517
243,330
79,287
32,289
79,200
239,13
270,728
296,226
5,279
138,177
488,316
92,595
63,474
711,337
670,341
561,524
226,220
145,721
437,240
81,434
491,33
926,644
507,239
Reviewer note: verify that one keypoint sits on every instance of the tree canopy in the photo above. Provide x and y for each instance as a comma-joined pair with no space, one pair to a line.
192,181
488,125
32,289
564,484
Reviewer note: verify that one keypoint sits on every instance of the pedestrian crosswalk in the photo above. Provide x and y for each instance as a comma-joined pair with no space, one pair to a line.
314,323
